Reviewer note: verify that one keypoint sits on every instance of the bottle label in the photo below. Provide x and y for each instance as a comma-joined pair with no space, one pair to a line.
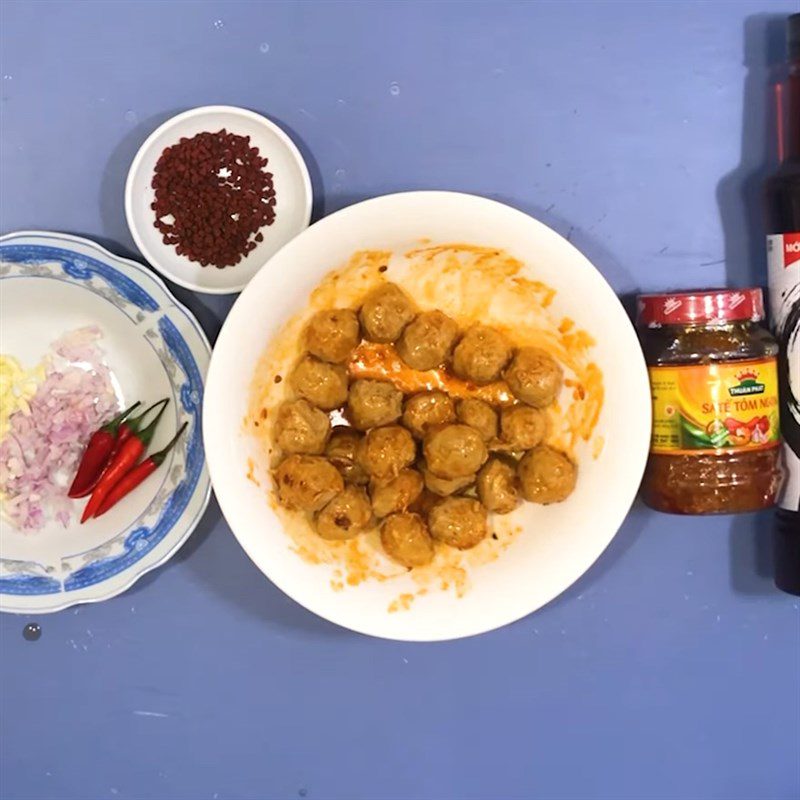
710,408
783,264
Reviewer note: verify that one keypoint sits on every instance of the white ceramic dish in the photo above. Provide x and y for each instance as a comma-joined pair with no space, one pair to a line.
290,177
50,284
560,542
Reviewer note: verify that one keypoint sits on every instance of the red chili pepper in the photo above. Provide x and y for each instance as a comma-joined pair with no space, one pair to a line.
141,471
97,455
129,427
122,463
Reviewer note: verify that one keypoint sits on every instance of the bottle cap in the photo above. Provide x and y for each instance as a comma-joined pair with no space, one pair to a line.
712,305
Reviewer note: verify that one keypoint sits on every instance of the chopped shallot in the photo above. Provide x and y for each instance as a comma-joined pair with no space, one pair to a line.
40,452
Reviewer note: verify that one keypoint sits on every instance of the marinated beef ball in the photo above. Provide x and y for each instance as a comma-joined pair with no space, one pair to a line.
396,494
481,355
444,487
498,488
458,521
385,452
522,427
534,377
307,483
341,452
427,340
345,516
479,415
373,403
454,451
385,312
546,475
406,539
427,409
333,334
322,384
301,428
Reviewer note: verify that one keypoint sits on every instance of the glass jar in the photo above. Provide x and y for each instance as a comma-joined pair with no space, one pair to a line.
714,384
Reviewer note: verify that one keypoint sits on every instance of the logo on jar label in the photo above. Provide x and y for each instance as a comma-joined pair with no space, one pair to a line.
748,384
735,300
671,305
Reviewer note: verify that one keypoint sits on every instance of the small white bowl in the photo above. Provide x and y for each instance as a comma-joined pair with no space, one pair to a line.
290,177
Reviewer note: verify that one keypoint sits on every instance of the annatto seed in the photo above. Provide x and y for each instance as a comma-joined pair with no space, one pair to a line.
219,197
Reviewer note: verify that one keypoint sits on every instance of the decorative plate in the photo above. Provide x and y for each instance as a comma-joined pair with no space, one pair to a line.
50,284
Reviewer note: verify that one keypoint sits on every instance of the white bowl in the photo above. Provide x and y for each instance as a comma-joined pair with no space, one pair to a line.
559,542
52,283
290,178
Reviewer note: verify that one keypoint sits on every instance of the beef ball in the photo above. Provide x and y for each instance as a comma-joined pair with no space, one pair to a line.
396,494
322,384
307,483
546,475
427,409
454,451
332,335
458,521
341,452
479,415
301,428
373,403
444,487
534,377
385,312
522,427
498,488
345,516
386,451
481,354
427,341
406,539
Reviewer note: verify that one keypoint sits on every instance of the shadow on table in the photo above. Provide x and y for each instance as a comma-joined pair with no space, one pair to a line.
751,562
740,192
741,205
216,558
220,562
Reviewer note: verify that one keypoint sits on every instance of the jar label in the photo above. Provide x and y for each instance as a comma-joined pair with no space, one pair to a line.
715,407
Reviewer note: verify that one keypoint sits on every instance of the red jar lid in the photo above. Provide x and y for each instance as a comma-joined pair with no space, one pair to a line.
713,305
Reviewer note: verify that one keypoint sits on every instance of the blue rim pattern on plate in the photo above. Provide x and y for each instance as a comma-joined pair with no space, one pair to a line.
81,268
62,264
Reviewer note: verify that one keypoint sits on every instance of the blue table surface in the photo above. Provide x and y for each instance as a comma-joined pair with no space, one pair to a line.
641,130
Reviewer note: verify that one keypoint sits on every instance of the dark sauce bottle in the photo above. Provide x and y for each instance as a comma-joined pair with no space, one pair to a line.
783,254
